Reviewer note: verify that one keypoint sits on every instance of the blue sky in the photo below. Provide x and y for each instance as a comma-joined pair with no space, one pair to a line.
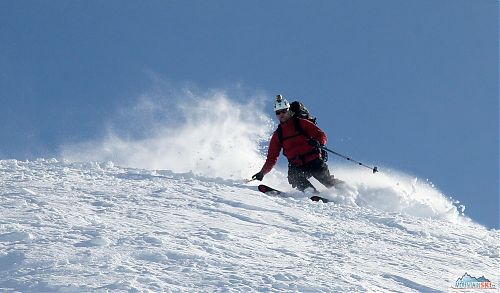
410,85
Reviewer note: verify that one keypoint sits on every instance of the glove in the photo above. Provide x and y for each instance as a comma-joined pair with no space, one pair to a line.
315,143
258,176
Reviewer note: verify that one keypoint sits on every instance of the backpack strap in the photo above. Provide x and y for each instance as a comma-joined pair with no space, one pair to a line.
279,132
298,127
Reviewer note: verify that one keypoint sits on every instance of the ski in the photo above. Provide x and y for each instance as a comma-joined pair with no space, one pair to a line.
269,190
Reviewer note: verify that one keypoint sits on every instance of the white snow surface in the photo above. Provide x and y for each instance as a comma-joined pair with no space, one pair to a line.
159,205
96,227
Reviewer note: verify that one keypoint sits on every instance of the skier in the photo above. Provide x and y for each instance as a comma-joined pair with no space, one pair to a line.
300,140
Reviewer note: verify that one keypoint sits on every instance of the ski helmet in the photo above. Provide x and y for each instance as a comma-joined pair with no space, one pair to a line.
281,103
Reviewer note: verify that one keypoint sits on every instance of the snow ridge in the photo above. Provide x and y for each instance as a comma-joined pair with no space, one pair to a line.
96,227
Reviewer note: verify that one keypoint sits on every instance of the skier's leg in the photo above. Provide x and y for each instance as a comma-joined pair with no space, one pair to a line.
298,178
319,170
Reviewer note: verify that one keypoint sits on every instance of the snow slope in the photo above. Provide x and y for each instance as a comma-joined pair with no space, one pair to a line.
96,227
213,135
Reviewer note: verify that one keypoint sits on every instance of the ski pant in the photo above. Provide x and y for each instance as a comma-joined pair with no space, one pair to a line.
298,175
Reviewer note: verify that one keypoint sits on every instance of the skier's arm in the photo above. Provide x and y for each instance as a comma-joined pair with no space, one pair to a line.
273,154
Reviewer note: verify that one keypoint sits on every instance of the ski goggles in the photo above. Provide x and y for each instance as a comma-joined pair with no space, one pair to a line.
281,111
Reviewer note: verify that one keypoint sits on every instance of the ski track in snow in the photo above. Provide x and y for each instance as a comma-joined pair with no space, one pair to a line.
95,227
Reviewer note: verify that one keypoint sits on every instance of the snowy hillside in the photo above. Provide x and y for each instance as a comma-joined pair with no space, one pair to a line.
96,227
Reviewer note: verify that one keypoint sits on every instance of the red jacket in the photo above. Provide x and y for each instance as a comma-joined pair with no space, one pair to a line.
296,148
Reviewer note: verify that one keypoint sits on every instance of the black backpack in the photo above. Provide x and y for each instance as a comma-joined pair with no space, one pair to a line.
299,112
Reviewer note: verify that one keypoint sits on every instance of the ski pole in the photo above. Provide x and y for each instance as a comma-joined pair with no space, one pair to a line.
374,169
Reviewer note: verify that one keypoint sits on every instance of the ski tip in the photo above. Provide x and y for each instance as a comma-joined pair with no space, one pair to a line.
262,188
319,198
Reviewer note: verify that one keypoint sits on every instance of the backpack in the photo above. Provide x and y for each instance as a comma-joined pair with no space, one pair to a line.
299,112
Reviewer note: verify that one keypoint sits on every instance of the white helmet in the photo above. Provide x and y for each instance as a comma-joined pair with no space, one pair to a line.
281,103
